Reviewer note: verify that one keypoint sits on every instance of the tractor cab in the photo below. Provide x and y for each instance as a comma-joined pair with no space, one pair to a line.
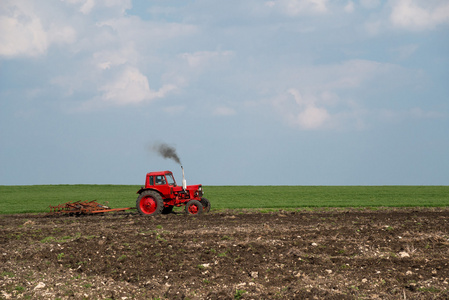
160,178
161,181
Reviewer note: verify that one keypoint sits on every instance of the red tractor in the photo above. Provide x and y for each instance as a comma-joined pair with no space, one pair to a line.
161,194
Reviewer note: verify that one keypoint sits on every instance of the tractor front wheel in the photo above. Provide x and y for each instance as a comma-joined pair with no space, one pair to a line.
194,207
149,203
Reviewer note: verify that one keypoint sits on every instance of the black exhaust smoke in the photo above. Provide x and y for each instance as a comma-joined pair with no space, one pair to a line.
166,151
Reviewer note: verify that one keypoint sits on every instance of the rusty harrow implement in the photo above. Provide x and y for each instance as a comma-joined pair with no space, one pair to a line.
82,207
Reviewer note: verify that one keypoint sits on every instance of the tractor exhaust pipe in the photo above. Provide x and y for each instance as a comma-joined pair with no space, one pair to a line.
184,182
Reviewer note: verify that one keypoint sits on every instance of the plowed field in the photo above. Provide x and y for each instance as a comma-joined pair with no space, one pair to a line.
336,254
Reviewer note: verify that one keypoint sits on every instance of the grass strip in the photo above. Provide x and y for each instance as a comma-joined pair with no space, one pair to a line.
37,198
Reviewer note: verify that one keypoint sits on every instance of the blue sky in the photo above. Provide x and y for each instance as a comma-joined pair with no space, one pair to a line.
283,92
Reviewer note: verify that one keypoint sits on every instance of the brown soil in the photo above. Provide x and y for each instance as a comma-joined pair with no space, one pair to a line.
333,254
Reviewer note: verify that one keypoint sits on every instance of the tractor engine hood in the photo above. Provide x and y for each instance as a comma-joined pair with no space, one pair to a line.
189,188
195,190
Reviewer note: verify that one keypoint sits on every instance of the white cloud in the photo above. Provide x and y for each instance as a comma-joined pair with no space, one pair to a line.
87,6
329,96
108,58
130,28
190,66
61,34
24,32
17,38
319,111
121,56
114,50
21,31
349,8
131,87
412,15
163,91
310,116
303,112
419,15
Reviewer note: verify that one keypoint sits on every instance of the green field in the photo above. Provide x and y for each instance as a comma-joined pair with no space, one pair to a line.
37,198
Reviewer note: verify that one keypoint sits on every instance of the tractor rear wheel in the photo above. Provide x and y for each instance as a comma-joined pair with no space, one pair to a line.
194,207
206,205
149,203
